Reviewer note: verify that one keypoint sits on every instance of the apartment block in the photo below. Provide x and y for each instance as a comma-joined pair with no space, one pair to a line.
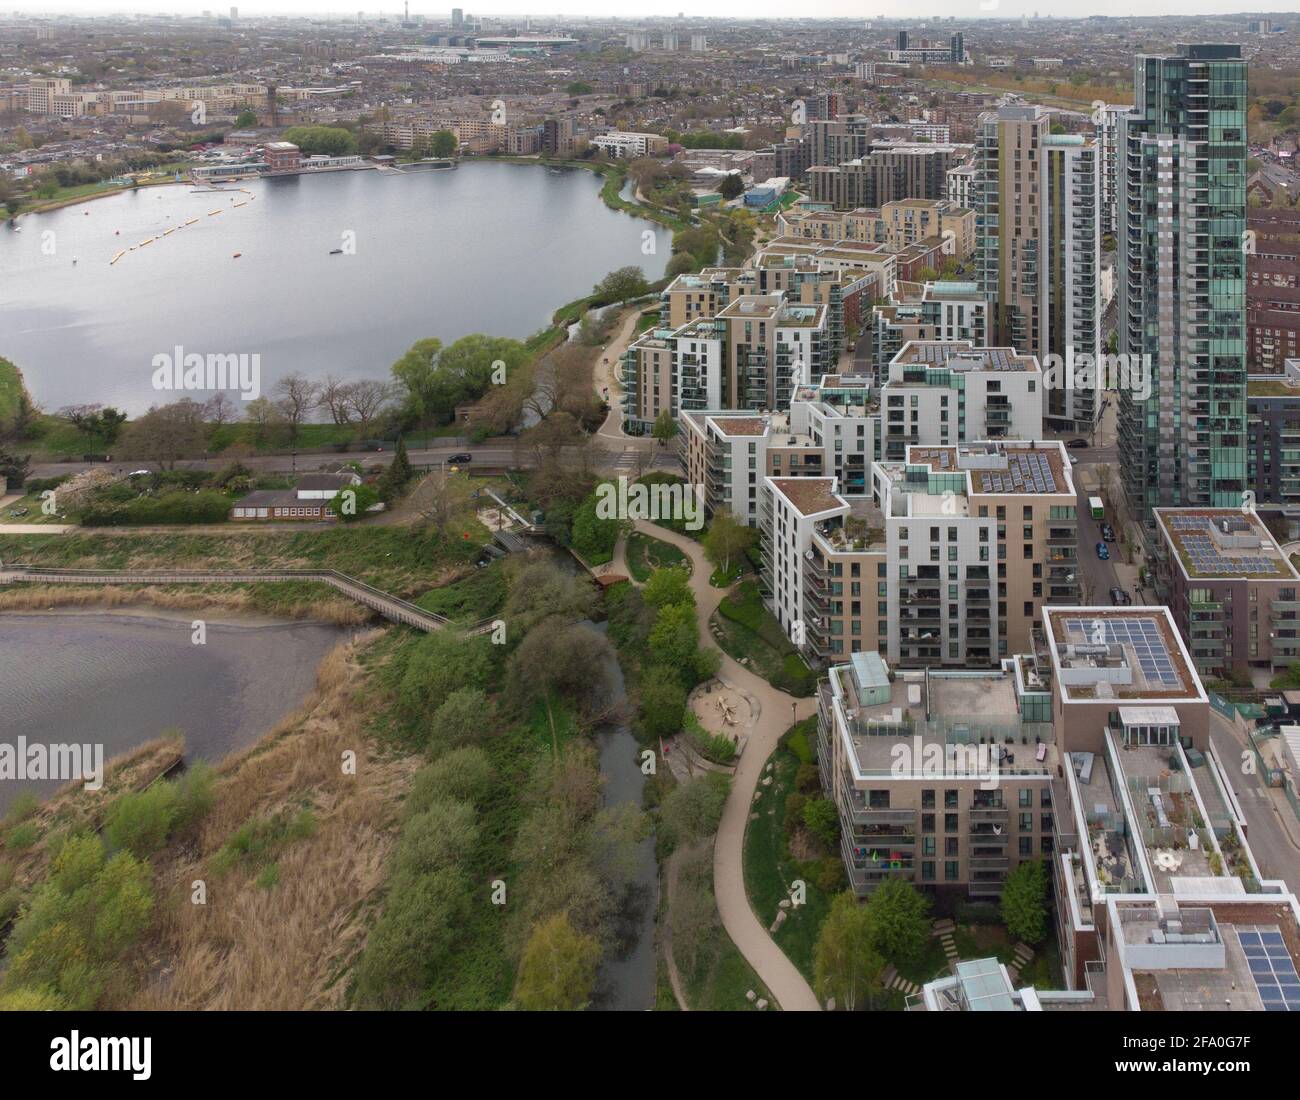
1106,121
1039,249
927,311
649,368
1182,275
625,145
953,392
1272,288
1231,589
940,778
980,538
1273,436
771,345
891,171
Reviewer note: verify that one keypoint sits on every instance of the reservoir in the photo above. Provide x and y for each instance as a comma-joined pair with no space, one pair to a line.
491,248
120,680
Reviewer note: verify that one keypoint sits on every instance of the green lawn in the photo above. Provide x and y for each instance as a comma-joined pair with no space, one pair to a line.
770,869
749,633
32,502
646,554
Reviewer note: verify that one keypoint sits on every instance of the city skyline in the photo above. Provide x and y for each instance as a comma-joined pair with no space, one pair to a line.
764,10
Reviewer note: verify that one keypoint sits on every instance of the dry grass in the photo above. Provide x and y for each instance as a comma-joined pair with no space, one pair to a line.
329,608
288,946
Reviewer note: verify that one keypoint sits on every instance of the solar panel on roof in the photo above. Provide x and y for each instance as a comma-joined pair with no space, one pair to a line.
1271,967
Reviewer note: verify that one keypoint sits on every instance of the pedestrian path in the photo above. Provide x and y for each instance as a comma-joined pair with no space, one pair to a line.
892,979
943,930
1024,955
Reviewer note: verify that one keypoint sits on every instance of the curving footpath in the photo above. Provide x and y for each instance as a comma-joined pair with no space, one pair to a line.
779,974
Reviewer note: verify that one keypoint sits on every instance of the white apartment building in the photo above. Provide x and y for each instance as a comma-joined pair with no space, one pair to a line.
1107,122
940,393
625,145
928,311
961,180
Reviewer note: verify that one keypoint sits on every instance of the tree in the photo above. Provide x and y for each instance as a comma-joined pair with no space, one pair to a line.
558,660
691,811
245,119
167,433
439,499
622,284
663,703
442,144
364,401
298,395
330,141
1024,902
665,428
265,418
898,917
466,715
675,638
823,820
558,970
397,475
353,502
846,963
14,468
670,585
731,186
726,540
578,87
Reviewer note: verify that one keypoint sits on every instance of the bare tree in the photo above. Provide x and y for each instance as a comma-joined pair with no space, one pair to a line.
367,399
297,396
334,397
219,410
167,433
439,499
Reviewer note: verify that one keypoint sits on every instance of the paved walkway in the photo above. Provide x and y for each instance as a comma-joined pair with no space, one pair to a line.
607,374
37,528
782,978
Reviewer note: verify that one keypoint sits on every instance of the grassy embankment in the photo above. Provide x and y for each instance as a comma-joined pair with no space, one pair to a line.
748,632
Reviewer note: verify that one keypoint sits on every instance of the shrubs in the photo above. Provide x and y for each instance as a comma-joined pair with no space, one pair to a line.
823,820
692,810
712,746
91,910
255,843
205,506
142,821
21,837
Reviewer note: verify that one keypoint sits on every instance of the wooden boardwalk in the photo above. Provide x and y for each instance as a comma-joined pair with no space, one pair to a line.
382,603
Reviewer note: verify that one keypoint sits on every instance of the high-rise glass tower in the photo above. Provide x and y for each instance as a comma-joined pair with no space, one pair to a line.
1181,274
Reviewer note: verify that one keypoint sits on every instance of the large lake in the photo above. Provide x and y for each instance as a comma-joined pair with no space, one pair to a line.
491,248
121,680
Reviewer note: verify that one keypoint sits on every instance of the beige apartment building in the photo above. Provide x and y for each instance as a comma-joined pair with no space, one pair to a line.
927,311
895,225
771,345
940,778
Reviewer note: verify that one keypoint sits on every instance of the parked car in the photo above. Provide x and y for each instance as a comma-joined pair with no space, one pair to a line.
1120,598
1077,444
1103,551
1107,532
463,459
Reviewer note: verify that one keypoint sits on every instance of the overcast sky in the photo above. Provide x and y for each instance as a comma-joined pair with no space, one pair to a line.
775,9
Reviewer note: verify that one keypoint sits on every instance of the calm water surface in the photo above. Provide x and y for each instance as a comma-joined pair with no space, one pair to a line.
121,680
491,248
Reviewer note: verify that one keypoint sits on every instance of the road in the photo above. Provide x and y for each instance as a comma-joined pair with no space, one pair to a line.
1275,852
